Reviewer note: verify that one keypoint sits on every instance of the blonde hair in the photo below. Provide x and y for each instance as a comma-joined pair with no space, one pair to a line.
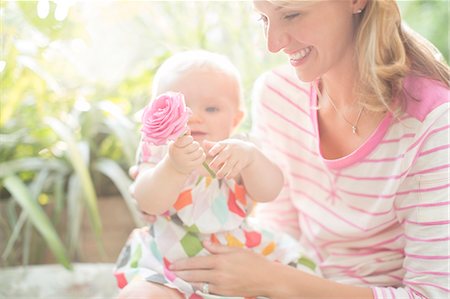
183,62
386,52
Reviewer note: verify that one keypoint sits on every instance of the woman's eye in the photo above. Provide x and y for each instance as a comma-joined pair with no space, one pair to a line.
211,109
291,16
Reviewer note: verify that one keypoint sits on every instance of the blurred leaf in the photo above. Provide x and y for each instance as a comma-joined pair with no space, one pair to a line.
112,170
14,235
74,213
38,217
430,18
79,165
121,127
31,164
48,25
58,198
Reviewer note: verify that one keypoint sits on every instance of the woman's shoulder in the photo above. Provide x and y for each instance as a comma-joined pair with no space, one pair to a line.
425,95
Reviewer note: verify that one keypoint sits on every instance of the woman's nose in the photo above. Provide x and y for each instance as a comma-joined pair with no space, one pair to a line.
277,39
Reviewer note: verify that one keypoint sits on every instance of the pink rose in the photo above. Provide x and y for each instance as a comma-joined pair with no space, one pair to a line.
165,118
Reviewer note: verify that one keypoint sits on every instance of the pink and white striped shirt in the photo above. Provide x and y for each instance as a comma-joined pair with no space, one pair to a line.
378,217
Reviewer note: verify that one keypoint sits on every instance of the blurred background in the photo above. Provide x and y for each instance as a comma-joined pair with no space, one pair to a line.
73,76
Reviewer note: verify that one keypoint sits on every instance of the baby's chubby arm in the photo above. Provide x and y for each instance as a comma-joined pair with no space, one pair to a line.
157,188
261,177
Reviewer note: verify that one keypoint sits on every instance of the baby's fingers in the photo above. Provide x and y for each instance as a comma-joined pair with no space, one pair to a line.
226,170
197,154
234,171
220,159
184,141
217,148
192,148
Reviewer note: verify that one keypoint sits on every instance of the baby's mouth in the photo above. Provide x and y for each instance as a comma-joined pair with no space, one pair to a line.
198,134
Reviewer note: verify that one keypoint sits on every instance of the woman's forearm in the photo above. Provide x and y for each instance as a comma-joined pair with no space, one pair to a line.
281,282
158,188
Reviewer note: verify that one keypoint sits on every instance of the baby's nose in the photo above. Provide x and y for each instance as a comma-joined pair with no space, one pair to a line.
195,118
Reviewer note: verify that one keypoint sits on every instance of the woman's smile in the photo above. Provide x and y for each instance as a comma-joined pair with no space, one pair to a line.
298,58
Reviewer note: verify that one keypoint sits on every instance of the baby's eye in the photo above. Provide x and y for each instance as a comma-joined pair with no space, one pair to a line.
211,109
291,16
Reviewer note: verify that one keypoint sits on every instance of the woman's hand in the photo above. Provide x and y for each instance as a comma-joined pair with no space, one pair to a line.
186,154
230,156
229,271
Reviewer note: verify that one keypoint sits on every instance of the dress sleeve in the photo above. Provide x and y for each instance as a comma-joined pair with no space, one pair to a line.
147,153
425,216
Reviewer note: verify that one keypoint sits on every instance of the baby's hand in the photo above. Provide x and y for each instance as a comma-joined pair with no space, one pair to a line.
230,156
186,154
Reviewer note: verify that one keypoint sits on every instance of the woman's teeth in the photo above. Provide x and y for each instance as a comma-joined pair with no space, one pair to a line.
300,54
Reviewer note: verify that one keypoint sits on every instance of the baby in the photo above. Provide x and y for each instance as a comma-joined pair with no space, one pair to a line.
193,206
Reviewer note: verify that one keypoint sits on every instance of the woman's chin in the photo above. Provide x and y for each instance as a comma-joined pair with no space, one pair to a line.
305,76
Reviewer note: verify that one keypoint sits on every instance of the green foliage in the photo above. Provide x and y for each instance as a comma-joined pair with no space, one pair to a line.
74,75
429,18
38,217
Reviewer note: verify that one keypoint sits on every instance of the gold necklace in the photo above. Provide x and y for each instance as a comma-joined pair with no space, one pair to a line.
355,125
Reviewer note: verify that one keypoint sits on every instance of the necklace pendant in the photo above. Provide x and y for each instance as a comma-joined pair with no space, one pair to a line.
354,129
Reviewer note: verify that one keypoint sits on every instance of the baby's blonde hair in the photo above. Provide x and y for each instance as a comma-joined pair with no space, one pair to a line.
186,61
386,52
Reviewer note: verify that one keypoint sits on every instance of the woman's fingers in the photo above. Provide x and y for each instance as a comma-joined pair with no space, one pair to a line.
216,248
226,270
193,263
199,286
195,275
202,262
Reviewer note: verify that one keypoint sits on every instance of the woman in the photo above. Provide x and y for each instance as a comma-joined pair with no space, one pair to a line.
364,145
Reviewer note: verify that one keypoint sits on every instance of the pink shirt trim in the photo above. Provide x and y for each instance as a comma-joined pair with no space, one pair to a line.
360,153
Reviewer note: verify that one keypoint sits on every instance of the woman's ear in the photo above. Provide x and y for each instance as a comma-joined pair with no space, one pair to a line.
358,6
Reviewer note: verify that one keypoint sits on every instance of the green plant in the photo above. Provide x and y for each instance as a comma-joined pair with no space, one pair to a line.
429,18
59,141
60,176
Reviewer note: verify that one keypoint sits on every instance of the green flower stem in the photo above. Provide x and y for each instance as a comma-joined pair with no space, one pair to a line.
210,171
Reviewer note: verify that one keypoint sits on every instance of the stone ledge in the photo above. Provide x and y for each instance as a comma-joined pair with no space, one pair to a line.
53,281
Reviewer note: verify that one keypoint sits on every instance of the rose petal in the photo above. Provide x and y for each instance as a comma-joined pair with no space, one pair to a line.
165,118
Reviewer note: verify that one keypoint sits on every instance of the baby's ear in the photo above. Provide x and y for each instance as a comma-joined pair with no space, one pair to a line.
238,118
